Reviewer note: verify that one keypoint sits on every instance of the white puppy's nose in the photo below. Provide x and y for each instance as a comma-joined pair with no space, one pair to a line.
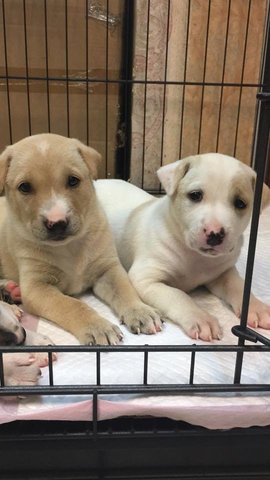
214,235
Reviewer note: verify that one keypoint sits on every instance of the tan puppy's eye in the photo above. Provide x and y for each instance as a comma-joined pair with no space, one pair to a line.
25,188
73,181
195,196
239,203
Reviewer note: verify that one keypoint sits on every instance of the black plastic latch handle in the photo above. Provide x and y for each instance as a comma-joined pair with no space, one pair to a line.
246,333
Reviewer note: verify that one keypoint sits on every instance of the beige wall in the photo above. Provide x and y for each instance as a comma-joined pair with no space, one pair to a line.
169,121
62,96
195,118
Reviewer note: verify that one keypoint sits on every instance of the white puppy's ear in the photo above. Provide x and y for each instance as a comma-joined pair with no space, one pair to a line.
169,175
265,197
90,156
5,159
265,201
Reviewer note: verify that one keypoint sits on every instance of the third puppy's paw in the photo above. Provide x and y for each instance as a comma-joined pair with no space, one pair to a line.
21,369
100,332
34,338
204,327
142,319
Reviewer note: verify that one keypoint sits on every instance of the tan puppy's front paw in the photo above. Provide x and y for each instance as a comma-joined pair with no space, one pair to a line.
142,319
100,332
204,328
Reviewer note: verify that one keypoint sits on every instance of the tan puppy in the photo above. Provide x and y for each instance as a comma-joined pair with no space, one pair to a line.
190,237
55,241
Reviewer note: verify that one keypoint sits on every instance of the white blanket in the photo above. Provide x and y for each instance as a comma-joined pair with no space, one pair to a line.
211,411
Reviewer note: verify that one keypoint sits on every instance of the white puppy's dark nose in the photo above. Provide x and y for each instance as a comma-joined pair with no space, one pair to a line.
56,229
215,238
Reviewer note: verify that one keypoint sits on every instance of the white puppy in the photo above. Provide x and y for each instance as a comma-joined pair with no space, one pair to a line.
188,238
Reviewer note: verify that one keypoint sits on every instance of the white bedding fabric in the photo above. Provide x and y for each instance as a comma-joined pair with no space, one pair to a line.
211,411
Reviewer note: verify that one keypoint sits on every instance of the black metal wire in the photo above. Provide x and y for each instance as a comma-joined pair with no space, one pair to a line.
2,377
184,83
87,70
98,372
192,367
50,366
106,87
6,77
213,347
47,66
149,389
128,52
204,74
132,81
165,82
145,368
95,411
67,67
222,83
27,68
145,91
123,152
242,78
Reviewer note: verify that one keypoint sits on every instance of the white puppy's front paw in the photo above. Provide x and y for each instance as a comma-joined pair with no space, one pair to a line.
21,369
100,332
204,327
142,319
258,314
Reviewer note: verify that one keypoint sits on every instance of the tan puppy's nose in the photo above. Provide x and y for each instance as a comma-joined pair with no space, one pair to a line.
56,228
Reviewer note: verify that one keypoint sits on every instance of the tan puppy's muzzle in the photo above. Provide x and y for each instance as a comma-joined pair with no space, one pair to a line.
56,230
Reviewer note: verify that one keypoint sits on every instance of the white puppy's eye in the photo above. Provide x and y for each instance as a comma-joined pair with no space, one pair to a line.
73,181
239,203
195,196
25,188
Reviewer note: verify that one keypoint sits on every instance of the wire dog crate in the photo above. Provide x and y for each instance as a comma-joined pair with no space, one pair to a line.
134,447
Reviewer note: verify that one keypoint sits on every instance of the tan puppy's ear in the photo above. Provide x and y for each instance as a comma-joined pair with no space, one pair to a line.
91,157
169,175
5,159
